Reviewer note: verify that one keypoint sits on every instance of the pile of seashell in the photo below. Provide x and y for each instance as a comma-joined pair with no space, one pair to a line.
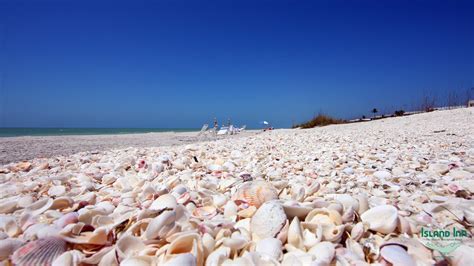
343,195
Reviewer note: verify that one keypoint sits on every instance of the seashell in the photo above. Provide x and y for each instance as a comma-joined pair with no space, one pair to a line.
8,246
324,216
336,206
109,258
186,243
218,256
382,175
383,218
72,257
247,212
230,209
39,252
9,226
310,238
39,206
182,259
269,220
270,247
138,261
129,246
56,191
235,243
363,203
40,230
161,225
208,243
97,237
358,231
8,206
68,218
255,193
463,255
396,254
469,216
347,201
25,201
205,212
166,201
403,225
62,203
324,253
295,234
293,209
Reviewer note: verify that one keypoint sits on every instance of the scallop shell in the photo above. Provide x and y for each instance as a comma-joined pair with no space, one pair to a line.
269,220
40,252
382,218
255,193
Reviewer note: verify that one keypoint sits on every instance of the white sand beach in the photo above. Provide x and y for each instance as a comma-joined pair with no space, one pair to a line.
348,194
15,149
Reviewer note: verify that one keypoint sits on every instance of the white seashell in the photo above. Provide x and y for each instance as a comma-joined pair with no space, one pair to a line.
182,259
186,243
138,261
166,201
8,246
208,244
161,225
295,234
324,252
383,218
9,226
396,255
70,258
218,256
8,206
310,238
294,209
129,246
271,247
56,191
463,255
235,243
269,220
363,203
230,209
382,175
39,206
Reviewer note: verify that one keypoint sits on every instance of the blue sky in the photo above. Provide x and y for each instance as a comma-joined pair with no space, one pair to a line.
181,63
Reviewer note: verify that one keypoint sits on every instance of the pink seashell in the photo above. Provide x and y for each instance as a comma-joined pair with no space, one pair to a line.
255,193
453,188
40,252
68,218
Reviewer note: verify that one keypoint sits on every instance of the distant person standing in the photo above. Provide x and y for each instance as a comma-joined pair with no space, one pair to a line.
216,124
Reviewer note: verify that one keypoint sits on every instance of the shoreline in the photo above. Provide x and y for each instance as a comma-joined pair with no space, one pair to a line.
21,148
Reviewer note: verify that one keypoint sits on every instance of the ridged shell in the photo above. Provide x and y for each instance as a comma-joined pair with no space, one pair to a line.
255,193
40,252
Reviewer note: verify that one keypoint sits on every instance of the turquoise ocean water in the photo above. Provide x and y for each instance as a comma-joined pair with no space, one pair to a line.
15,132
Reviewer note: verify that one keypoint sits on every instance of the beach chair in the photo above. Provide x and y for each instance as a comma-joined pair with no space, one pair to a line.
231,130
222,131
203,129
242,128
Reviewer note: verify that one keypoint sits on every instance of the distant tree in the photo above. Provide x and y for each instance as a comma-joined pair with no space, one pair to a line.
453,99
374,111
399,113
428,101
